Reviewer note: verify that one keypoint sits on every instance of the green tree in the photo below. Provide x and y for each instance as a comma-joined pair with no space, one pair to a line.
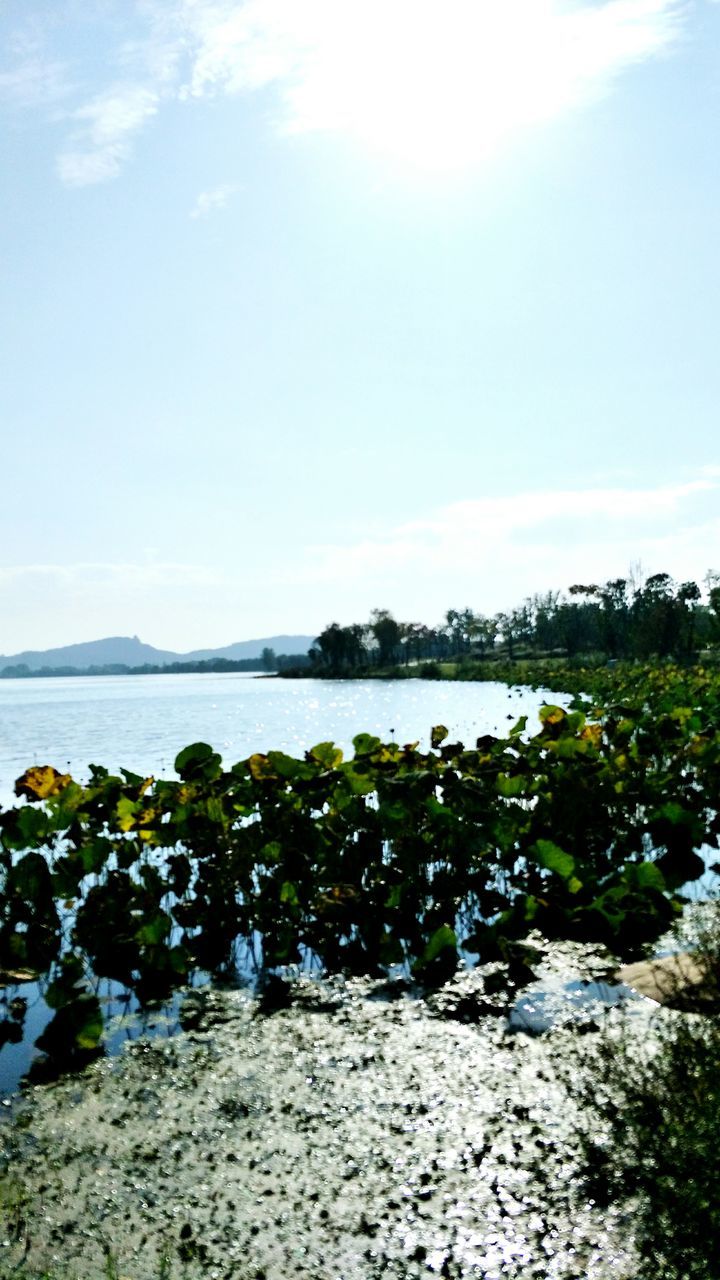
712,581
545,610
387,635
339,649
460,625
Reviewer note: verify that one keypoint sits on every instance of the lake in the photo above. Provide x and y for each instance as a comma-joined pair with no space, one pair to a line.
142,722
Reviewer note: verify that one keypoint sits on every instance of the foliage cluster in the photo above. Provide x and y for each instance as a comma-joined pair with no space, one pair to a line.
652,1141
625,618
396,856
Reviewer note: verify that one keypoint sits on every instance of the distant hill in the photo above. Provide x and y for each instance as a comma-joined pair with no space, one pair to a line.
253,648
129,651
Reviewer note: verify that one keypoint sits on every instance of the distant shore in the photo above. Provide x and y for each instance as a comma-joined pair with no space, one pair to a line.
210,666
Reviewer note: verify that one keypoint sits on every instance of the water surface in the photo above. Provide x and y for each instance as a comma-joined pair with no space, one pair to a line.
142,722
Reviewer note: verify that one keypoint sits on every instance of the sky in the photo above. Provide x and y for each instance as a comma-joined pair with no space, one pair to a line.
316,306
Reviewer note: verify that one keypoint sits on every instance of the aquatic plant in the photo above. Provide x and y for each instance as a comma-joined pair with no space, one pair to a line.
588,829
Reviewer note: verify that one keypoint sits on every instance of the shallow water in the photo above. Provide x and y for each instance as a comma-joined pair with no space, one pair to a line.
350,1135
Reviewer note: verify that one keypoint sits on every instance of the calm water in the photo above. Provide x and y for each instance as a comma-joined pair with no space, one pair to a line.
142,722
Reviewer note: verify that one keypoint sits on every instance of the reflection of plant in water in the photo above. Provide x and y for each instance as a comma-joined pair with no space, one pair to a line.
587,830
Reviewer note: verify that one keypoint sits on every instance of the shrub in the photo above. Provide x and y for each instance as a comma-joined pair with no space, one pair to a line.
650,1136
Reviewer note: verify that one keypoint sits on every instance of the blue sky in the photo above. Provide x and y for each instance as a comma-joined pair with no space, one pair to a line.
311,306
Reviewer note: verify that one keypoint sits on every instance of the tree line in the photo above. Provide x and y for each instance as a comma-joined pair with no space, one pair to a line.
624,618
267,662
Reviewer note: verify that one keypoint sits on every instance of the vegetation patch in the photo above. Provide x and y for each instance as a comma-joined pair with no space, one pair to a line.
393,859
651,1139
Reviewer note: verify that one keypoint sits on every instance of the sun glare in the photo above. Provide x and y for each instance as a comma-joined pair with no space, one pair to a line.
446,86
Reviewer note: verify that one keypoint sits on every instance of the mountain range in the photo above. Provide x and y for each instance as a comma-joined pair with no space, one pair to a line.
129,651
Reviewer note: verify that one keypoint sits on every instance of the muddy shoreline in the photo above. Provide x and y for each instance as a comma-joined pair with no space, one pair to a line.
359,1132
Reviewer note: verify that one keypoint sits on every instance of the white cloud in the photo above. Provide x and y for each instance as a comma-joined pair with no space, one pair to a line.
492,552
34,82
213,200
434,83
98,147
115,575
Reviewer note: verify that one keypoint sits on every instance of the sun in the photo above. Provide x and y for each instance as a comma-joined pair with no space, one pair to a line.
446,86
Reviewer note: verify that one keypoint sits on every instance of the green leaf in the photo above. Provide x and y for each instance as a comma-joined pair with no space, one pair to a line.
519,727
95,854
67,874
442,939
394,811
288,766
645,875
510,787
77,1024
178,960
326,754
566,748
575,721
68,983
365,744
132,779
391,949
198,761
30,879
531,906
361,784
126,811
550,714
180,869
214,810
154,931
270,853
33,824
89,1023
438,734
553,858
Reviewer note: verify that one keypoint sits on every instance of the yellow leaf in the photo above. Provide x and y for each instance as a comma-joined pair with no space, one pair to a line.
552,715
261,768
126,814
592,733
41,781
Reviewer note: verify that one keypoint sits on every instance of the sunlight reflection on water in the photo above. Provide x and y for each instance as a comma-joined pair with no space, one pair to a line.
142,722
